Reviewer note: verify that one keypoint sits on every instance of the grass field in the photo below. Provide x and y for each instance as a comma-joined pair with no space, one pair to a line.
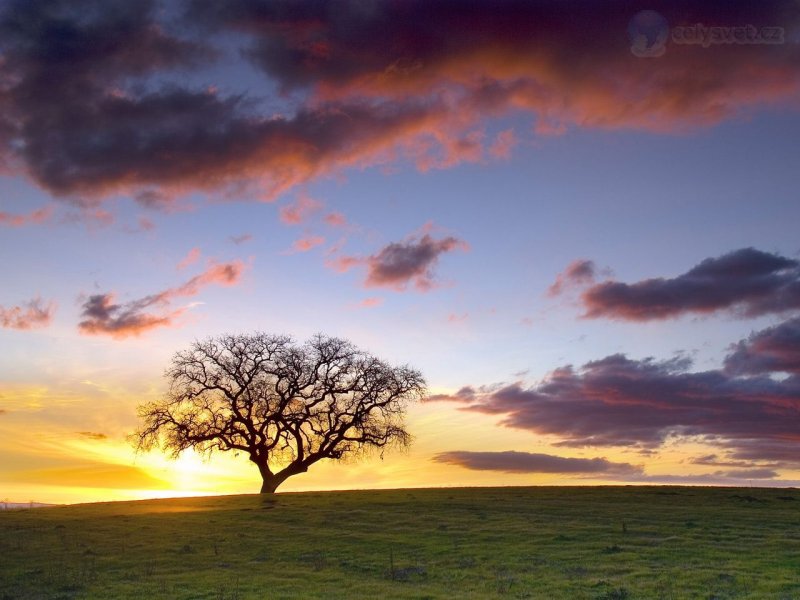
582,542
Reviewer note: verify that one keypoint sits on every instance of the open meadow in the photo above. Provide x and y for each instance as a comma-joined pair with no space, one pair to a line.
534,542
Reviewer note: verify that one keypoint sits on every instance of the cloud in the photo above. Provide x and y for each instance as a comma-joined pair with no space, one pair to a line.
335,219
40,215
376,87
776,349
617,401
400,264
241,239
525,462
370,302
503,144
33,314
516,56
93,435
298,211
307,243
579,272
191,257
146,224
748,474
714,460
102,316
747,282
465,394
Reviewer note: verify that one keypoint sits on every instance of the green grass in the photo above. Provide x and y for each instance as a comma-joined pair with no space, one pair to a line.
577,543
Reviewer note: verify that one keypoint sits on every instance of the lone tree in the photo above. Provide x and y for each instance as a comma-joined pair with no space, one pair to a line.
285,405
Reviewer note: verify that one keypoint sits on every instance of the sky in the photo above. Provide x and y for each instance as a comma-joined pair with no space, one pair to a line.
579,221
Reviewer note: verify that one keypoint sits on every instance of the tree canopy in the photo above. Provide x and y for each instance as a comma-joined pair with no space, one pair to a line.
285,405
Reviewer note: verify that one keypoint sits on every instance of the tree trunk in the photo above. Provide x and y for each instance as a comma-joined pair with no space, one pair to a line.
271,481
269,485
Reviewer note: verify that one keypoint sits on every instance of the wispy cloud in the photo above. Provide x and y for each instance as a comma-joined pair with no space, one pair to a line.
240,239
503,144
300,210
370,302
577,273
191,257
40,215
526,462
307,243
335,219
92,435
33,314
103,316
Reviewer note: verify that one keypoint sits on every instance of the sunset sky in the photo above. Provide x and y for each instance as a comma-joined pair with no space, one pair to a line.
581,224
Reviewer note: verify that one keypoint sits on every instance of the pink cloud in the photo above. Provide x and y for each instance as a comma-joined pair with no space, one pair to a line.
503,144
335,219
103,316
33,314
370,302
456,318
342,264
191,257
300,210
37,216
307,243
578,272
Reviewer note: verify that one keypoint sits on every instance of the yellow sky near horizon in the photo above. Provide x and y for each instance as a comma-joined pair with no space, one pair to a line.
67,460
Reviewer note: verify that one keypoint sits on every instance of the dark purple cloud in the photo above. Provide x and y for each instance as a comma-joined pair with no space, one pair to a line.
417,47
526,462
748,282
82,112
33,314
617,401
400,264
769,450
95,98
770,350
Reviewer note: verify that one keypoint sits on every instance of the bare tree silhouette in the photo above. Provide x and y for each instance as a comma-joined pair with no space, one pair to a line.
285,405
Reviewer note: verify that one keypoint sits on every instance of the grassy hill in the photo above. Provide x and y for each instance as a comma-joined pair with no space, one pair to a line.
576,543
